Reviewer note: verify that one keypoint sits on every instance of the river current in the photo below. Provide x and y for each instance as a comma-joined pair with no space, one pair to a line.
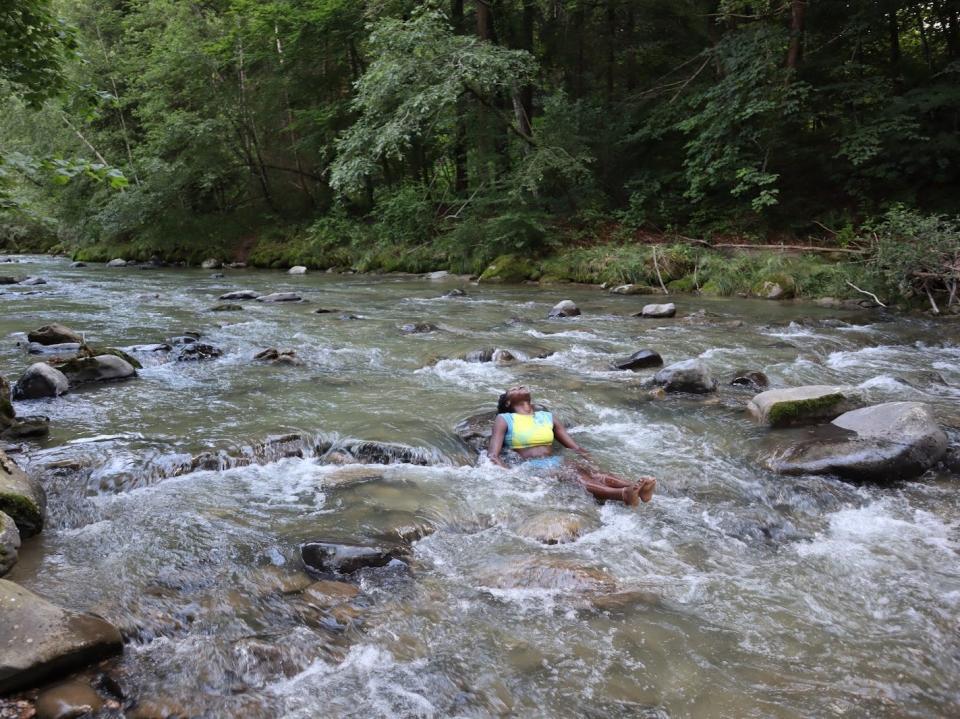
736,592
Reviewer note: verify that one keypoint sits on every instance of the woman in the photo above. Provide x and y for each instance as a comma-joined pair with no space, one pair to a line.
530,434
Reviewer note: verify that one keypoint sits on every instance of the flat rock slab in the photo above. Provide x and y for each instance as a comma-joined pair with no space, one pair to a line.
101,368
690,375
640,360
21,497
278,297
803,405
885,442
240,295
41,641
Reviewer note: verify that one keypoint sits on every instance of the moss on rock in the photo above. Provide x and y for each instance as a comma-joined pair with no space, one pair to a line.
790,412
509,268
684,284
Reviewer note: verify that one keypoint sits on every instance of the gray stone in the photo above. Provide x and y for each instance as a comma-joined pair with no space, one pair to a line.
118,262
438,275
211,264
665,310
26,428
632,289
639,360
101,368
755,379
280,297
564,308
31,281
21,497
54,334
40,380
803,405
40,641
416,328
330,557
297,270
885,442
9,543
8,280
240,295
690,375
35,348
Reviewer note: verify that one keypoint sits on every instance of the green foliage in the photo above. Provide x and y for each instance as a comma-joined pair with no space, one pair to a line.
34,44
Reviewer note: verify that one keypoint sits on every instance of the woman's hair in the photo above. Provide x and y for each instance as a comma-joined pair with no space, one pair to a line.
503,404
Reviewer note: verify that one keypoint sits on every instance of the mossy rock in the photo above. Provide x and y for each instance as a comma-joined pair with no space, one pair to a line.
778,286
684,284
21,497
509,268
553,280
7,412
91,351
803,405
712,289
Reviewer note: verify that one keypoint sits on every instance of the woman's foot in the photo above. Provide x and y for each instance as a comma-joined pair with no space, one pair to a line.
646,487
631,495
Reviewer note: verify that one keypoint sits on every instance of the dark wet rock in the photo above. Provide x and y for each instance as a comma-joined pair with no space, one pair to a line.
324,311
29,427
69,700
690,375
297,270
662,310
885,442
489,354
416,328
754,379
564,308
324,558
184,339
280,297
35,348
847,304
161,708
40,380
32,281
211,264
9,543
21,497
8,280
100,368
198,351
226,307
41,641
54,334
554,527
366,452
78,264
216,276
7,412
108,686
632,289
456,292
803,405
240,295
329,593
406,531
951,459
640,360
117,262
282,357
349,316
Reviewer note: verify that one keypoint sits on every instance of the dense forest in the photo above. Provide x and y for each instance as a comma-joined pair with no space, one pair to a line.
575,135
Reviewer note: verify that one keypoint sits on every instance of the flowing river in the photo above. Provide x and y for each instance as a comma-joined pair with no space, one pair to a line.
735,593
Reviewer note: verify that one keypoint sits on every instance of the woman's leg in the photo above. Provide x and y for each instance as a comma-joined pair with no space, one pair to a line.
627,493
646,485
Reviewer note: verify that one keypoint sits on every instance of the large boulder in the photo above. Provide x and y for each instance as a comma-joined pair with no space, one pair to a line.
640,360
41,641
54,334
280,297
31,281
803,405
564,308
117,262
7,412
690,375
885,442
26,428
297,270
100,368
9,543
40,380
632,289
21,497
508,268
663,310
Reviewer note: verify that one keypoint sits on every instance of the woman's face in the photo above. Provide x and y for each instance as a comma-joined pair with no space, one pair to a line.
518,395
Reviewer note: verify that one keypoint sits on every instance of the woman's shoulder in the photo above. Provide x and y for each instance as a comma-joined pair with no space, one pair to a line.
542,414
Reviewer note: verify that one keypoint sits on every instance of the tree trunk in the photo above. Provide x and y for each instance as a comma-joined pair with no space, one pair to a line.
894,28
460,131
798,12
524,101
611,48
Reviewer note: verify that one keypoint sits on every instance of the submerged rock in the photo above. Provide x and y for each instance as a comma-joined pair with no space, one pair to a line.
333,558
40,380
68,700
690,375
885,442
99,368
197,352
35,348
78,264
54,334
416,328
26,428
803,405
663,310
639,360
8,280
226,307
21,497
367,452
456,292
489,354
41,641
9,543
279,297
240,295
551,573
274,356
564,308
553,527
30,281
755,379
156,347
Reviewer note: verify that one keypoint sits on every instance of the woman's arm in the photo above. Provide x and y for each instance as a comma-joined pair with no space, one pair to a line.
560,432
496,441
